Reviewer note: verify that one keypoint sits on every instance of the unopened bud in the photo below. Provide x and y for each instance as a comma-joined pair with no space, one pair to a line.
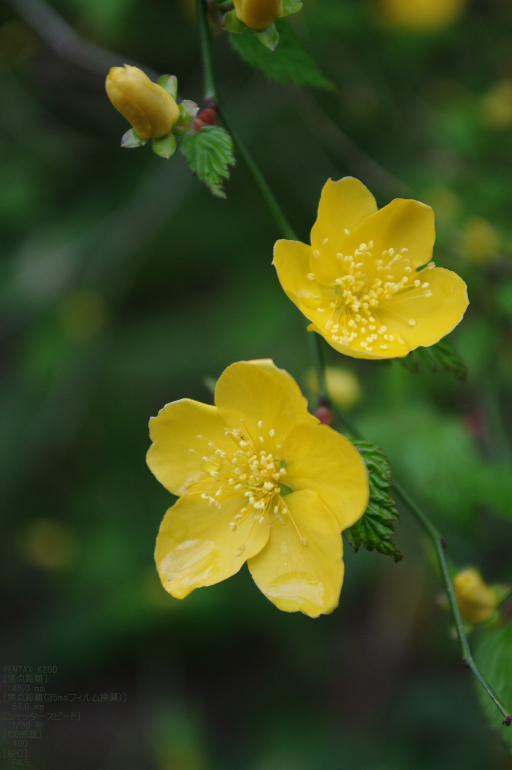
258,14
324,414
150,109
477,602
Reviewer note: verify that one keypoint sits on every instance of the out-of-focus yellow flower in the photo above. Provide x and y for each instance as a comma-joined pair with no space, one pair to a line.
258,14
496,106
422,14
260,480
189,8
48,544
359,282
480,241
445,202
343,385
477,602
149,108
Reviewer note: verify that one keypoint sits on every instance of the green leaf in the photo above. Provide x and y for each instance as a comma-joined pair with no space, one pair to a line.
289,62
375,530
442,355
291,6
493,656
233,24
132,139
268,36
209,154
170,83
166,146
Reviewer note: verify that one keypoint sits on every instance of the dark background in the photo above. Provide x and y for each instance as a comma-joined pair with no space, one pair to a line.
124,283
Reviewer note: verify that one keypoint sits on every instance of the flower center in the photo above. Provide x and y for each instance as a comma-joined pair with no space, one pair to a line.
365,283
252,470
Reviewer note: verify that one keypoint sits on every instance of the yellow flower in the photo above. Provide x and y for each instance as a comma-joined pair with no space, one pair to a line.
497,106
258,14
359,282
260,480
477,602
150,109
423,14
480,241
343,385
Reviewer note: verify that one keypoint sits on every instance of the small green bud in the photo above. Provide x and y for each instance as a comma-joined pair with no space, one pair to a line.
233,24
165,146
132,139
170,83
188,111
269,37
291,6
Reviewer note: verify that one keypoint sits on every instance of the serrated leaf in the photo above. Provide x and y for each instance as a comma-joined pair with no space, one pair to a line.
132,139
233,24
209,154
493,656
166,146
289,62
442,355
170,83
268,36
376,530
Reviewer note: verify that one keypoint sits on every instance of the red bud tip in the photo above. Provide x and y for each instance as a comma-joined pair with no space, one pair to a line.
324,414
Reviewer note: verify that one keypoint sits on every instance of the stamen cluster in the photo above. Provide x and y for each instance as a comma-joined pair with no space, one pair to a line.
253,470
363,285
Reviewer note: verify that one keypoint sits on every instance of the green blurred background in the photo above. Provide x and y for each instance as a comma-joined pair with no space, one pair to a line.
124,283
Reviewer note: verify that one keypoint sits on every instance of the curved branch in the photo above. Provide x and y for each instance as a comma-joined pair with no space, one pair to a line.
211,93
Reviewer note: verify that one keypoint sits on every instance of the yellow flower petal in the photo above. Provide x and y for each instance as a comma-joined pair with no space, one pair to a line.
402,224
197,547
291,260
424,320
176,456
321,460
395,348
344,205
297,577
258,392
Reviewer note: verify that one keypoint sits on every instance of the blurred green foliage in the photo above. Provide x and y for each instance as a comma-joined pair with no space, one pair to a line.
124,284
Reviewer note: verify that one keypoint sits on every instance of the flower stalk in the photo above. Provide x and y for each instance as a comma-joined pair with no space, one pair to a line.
287,231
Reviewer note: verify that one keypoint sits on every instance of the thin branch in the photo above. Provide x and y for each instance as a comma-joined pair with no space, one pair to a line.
440,546
65,42
211,93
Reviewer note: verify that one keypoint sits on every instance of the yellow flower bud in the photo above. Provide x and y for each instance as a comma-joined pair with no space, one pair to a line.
477,602
343,385
497,106
150,109
481,241
258,14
